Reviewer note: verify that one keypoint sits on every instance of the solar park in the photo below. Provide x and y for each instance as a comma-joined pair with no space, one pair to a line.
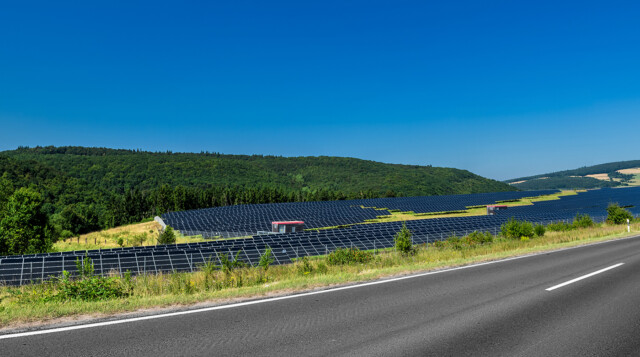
250,222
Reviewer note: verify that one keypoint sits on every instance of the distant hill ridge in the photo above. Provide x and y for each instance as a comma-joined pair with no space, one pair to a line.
613,174
117,169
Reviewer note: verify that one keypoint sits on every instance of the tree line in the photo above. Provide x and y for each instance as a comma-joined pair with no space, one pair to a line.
48,193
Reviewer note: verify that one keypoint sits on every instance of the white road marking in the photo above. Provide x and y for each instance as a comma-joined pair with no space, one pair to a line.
583,277
253,302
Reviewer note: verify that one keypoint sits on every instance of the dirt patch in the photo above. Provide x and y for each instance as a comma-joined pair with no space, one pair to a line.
635,171
602,177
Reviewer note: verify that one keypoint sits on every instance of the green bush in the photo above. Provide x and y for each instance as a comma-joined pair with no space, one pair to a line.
230,264
86,286
138,239
305,266
344,256
322,268
90,288
167,237
476,237
440,244
266,259
65,234
559,226
472,239
403,241
583,221
453,242
539,230
617,214
515,229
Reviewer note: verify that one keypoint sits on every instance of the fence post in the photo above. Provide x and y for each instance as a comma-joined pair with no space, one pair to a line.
22,269
119,265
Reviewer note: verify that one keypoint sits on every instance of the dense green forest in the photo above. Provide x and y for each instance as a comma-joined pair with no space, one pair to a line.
83,189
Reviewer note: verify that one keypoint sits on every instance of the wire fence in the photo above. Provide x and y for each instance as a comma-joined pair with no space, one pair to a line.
19,270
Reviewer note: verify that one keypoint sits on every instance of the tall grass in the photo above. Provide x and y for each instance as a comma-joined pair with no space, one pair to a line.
212,284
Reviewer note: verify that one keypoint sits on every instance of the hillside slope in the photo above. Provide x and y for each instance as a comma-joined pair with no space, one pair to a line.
88,189
117,170
613,174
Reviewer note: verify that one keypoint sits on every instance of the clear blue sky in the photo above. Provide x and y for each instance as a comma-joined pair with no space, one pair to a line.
500,88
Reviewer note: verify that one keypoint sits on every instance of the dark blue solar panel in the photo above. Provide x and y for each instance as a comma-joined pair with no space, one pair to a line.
15,270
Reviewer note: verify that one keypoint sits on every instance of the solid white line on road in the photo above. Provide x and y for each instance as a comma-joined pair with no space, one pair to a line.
583,277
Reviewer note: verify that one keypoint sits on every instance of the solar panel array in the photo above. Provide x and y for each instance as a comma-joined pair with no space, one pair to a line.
247,220
287,247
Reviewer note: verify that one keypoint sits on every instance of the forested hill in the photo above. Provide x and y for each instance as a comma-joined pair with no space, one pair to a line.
85,189
611,174
119,170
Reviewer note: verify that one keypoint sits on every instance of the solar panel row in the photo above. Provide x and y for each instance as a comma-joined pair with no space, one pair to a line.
287,247
246,220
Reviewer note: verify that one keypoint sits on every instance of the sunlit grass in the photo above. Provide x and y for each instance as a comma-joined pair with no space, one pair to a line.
181,289
137,234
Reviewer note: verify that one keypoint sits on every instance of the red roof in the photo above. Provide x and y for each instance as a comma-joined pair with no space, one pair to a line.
288,222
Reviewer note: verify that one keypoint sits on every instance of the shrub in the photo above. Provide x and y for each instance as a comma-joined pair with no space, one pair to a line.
343,256
322,268
120,241
209,269
453,242
617,214
138,239
583,221
515,229
559,226
305,266
89,288
168,236
266,259
539,230
476,237
403,242
227,264
84,267
65,234
439,244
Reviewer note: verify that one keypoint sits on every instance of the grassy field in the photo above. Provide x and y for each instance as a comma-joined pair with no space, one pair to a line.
137,234
22,306
146,233
470,211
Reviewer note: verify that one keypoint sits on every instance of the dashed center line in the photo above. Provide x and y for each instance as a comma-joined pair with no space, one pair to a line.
583,277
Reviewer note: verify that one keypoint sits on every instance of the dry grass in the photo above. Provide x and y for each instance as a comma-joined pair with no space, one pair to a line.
517,182
602,177
183,289
634,171
137,234
477,211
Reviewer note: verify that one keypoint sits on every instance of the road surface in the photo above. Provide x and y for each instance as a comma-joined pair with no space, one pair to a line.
576,302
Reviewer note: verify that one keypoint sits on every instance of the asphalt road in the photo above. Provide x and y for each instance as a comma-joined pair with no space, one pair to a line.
498,309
